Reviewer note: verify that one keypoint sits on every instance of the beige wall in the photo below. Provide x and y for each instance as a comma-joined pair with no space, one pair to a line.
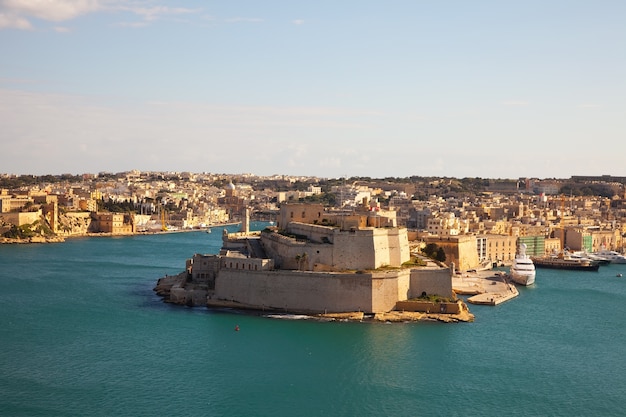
284,251
316,233
113,223
350,250
312,292
430,281
501,247
370,248
460,250
8,203
19,219
552,245
308,292
304,213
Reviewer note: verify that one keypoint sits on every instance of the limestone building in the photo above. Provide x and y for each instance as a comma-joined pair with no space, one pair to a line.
312,268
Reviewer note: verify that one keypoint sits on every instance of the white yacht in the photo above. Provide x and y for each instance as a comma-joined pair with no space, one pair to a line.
613,256
523,269
592,256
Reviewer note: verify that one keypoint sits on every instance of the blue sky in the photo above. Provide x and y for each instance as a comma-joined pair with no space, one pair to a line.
492,89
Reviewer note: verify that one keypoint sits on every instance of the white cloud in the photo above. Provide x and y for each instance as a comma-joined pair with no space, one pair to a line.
11,21
17,13
156,12
51,10
298,22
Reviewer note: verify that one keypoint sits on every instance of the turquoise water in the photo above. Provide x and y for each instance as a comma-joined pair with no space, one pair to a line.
82,333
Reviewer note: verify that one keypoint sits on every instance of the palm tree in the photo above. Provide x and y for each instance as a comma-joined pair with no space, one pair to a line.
302,259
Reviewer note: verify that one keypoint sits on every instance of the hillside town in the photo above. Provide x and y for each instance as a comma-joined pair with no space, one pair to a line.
471,221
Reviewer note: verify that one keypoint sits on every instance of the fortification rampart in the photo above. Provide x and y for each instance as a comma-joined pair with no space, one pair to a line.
430,281
21,218
388,247
288,252
311,292
313,232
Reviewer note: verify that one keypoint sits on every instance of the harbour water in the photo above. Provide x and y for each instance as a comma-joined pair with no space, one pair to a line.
82,333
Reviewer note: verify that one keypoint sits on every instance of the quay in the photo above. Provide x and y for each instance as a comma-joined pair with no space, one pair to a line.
484,287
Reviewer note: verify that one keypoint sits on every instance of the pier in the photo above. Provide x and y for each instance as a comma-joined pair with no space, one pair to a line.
484,287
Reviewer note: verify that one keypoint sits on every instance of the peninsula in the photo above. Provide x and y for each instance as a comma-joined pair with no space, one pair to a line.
324,264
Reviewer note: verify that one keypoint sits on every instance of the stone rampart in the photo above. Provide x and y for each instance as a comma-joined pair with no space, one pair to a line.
287,252
315,233
310,292
21,218
430,281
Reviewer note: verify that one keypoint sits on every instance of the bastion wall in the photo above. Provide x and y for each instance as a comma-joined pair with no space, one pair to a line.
287,252
430,281
312,292
343,250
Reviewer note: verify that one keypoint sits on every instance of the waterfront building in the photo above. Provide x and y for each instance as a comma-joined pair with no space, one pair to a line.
114,223
460,250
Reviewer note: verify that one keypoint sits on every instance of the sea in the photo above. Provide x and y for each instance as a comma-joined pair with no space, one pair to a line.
82,333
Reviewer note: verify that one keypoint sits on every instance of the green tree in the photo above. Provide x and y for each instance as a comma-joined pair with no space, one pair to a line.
430,250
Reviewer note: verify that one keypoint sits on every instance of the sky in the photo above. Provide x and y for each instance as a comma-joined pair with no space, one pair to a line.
450,88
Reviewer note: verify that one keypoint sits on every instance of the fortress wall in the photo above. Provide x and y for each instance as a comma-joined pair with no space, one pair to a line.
284,251
349,247
305,213
392,247
203,267
382,253
314,232
384,247
250,264
21,218
431,281
399,246
298,291
388,288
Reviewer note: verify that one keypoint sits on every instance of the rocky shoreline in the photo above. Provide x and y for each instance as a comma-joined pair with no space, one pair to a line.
34,239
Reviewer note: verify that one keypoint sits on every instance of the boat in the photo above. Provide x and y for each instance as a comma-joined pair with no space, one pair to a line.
594,257
565,261
613,256
523,269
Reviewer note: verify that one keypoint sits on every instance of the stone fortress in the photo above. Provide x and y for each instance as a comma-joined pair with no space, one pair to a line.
314,262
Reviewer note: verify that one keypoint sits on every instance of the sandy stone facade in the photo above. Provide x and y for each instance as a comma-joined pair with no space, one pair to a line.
310,268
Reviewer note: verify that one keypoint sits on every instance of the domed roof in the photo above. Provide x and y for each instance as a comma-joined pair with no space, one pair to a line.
230,186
